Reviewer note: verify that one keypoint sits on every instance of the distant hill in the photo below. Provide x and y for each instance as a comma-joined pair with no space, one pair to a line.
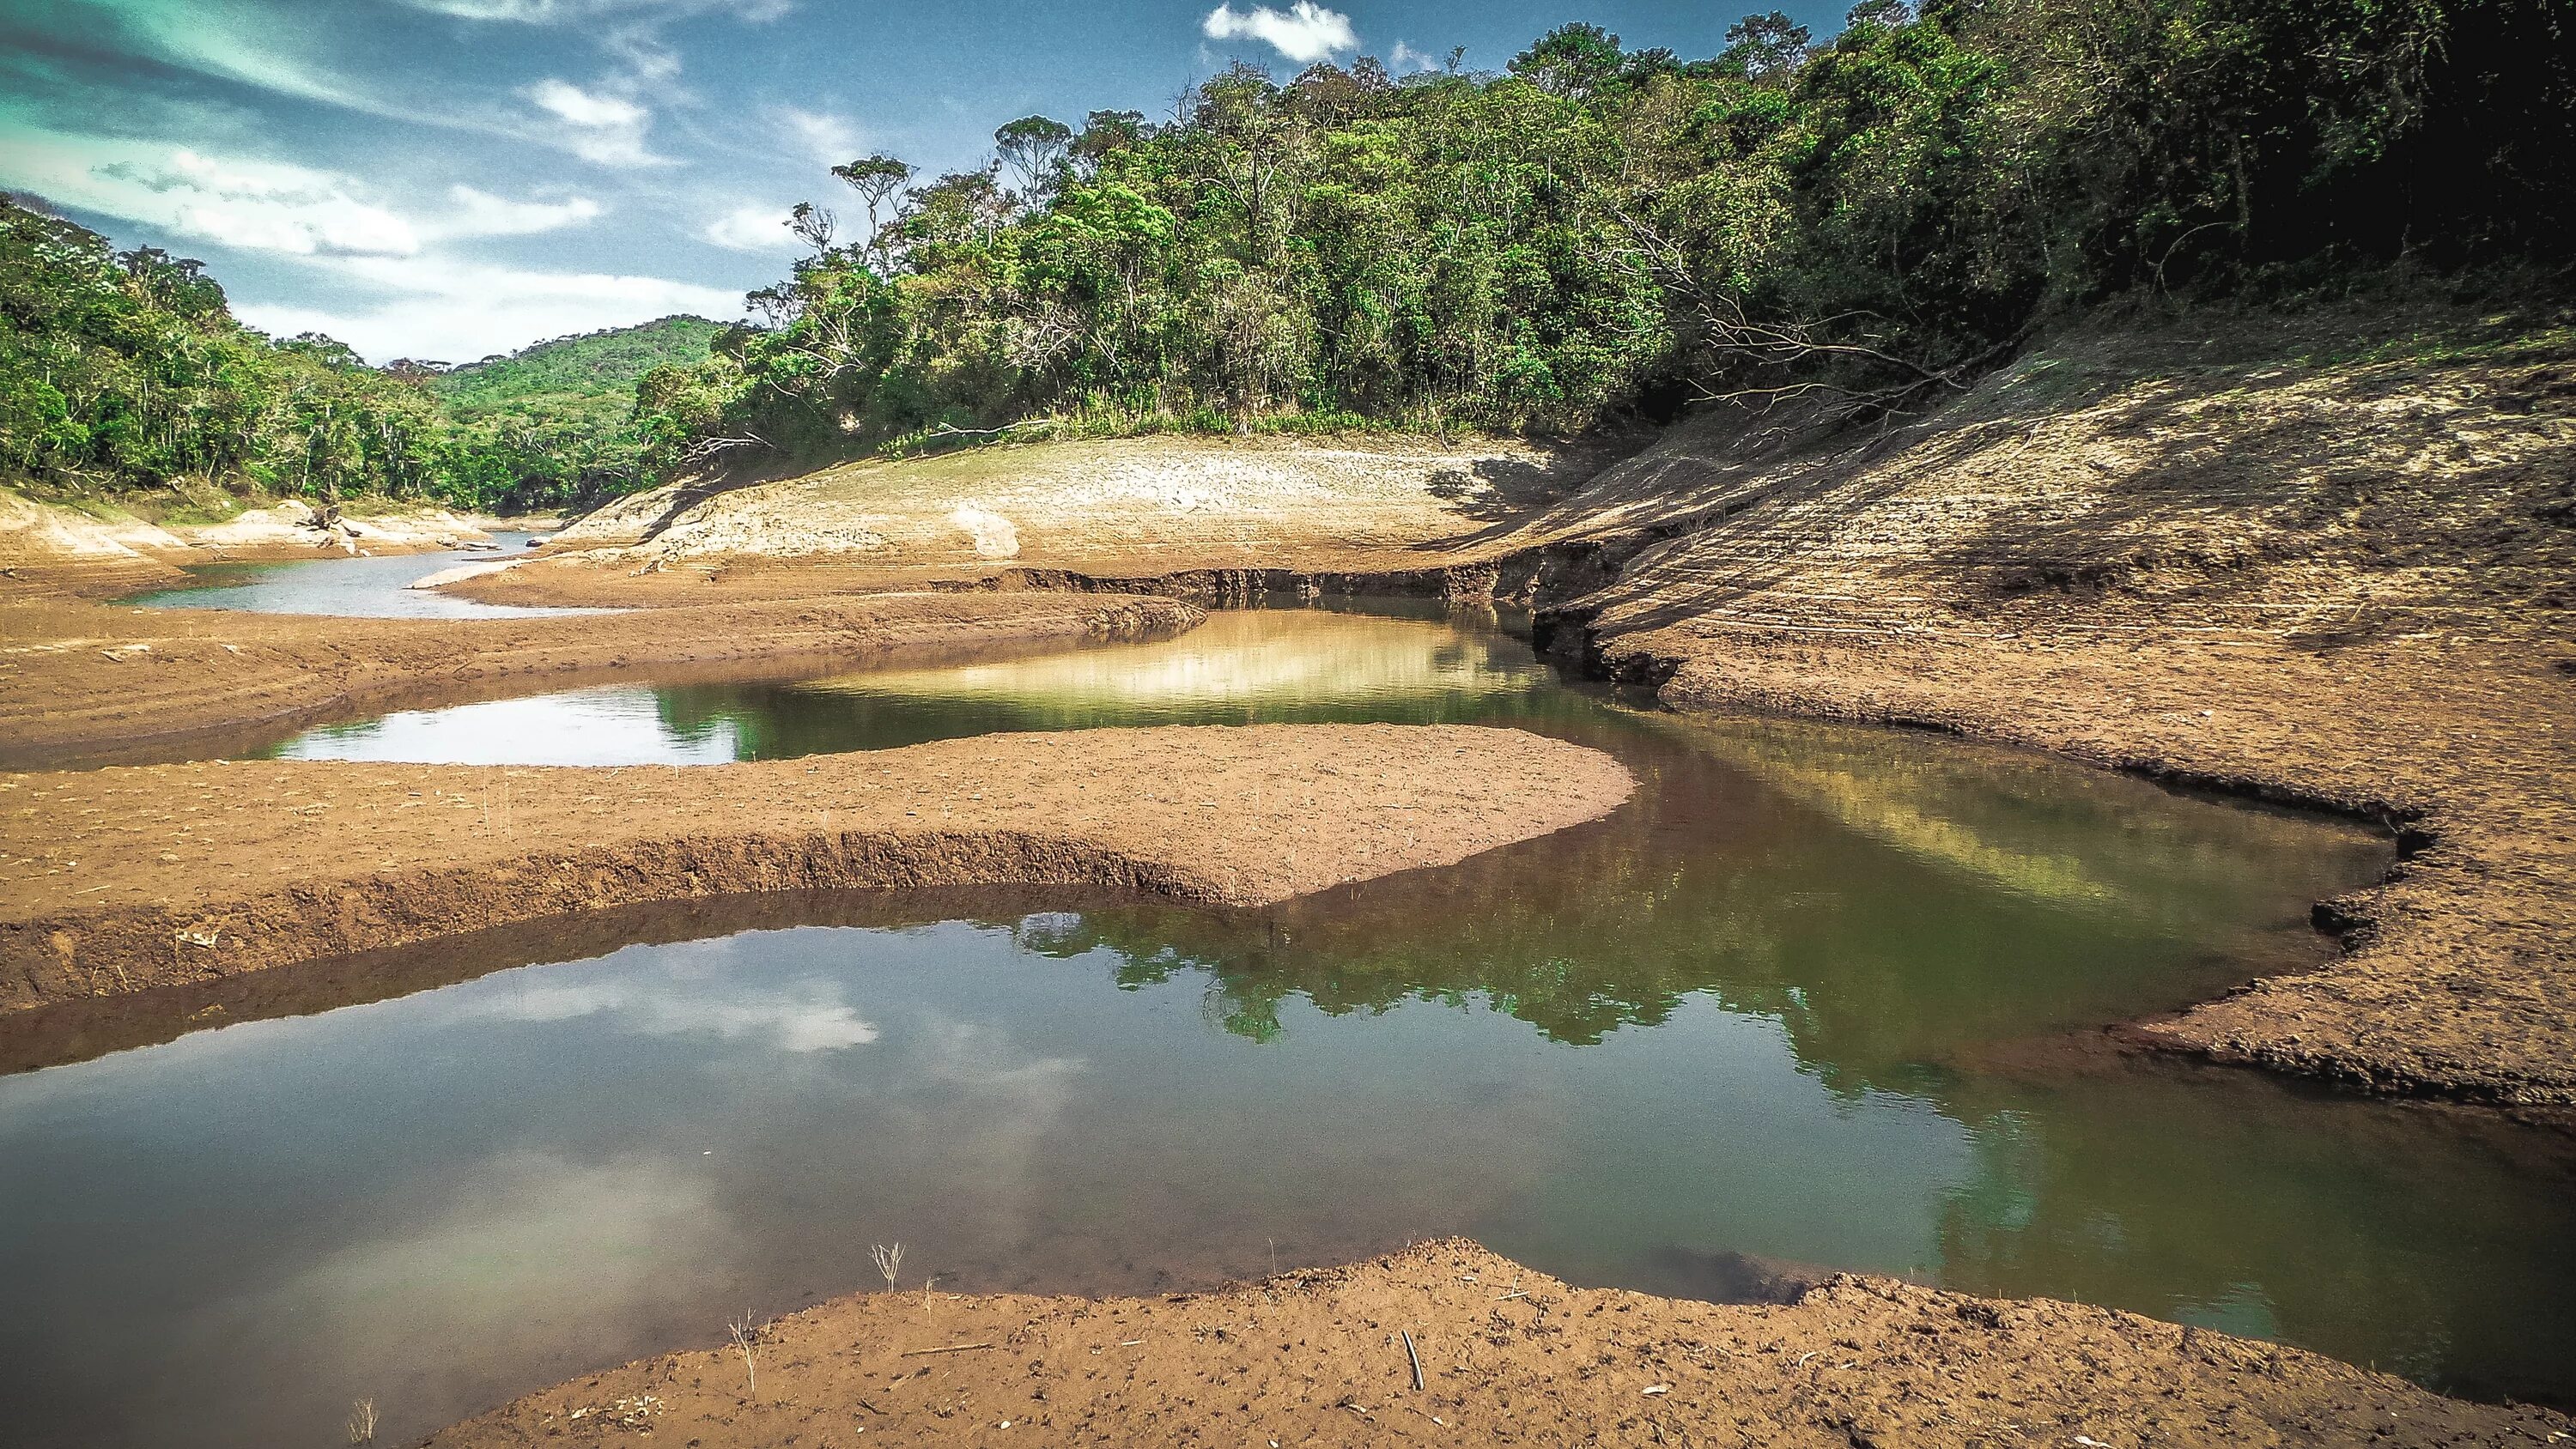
591,374
549,426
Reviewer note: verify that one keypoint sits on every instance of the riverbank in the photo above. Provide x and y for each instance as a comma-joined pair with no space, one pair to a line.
125,878
2340,580
90,683
88,547
1446,1342
2322,558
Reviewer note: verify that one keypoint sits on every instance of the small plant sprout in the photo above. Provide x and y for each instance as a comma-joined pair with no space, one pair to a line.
362,1422
889,1262
745,1333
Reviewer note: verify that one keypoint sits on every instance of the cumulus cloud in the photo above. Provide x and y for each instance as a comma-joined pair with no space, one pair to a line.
750,229
604,128
821,135
1405,58
1304,32
438,307
257,205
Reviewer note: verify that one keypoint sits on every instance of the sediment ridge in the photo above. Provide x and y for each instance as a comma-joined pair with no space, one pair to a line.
86,682
1447,1343
120,879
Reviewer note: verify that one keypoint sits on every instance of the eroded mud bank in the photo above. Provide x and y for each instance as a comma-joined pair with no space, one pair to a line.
1449,1343
125,878
85,681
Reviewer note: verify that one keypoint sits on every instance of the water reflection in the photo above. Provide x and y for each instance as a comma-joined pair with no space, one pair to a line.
445,1199
1240,667
1804,1003
366,588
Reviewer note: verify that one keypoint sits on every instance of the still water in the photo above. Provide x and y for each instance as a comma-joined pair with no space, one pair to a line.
1816,998
365,588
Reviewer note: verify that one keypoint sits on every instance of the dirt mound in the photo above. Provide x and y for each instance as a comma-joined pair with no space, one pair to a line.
1447,1343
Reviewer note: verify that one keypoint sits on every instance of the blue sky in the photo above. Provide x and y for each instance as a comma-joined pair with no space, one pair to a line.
448,178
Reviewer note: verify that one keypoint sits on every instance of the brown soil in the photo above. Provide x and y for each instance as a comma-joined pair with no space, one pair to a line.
1507,1356
97,551
2328,559
88,682
120,879
2345,583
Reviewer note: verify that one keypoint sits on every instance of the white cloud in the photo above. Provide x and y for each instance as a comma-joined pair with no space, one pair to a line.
436,307
566,12
631,30
607,129
809,1018
825,137
254,204
751,229
582,108
1405,58
1305,32
480,213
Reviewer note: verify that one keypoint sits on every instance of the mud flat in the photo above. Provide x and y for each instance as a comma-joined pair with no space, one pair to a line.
91,682
124,878
1505,1355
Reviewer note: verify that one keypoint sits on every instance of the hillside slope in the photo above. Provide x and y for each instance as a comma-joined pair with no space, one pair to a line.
594,373
1155,505
2293,556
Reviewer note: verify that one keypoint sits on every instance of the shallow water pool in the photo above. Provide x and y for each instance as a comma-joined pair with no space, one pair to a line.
373,587
1816,998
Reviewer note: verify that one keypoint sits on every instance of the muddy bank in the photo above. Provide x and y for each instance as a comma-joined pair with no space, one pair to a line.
89,548
2211,558
125,878
1505,1355
85,681
2456,981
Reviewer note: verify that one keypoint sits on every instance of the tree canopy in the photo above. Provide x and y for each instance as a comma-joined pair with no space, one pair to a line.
122,370
1598,229
1593,231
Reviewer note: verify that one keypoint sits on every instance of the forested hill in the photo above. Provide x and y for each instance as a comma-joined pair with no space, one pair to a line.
550,424
125,370
1864,221
570,372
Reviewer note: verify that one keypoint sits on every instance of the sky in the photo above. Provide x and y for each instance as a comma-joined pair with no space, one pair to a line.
445,179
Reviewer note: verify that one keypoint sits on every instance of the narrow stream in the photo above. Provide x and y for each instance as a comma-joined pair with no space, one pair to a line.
372,587
1817,998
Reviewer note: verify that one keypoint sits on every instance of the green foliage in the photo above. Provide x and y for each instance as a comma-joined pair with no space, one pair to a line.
1599,230
125,370
553,425
1596,231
